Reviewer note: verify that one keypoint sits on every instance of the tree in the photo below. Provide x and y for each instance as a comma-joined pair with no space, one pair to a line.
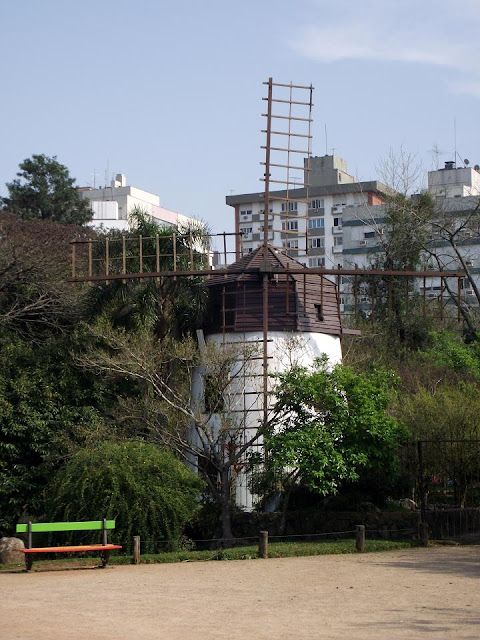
211,436
143,487
435,232
450,230
402,237
165,306
34,296
44,190
330,425
48,408
446,417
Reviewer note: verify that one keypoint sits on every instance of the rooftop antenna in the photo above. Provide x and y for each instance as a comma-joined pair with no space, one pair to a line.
94,176
326,140
455,138
436,154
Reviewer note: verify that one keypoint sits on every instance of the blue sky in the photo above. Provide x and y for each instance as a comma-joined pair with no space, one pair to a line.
170,93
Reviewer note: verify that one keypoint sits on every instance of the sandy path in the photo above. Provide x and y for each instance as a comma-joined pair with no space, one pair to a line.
404,594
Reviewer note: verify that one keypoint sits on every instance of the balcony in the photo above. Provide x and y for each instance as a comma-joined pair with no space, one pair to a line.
337,230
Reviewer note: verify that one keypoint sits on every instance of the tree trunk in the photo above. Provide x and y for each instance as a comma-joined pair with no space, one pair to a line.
223,535
283,519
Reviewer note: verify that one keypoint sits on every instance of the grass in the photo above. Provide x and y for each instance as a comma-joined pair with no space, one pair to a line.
275,550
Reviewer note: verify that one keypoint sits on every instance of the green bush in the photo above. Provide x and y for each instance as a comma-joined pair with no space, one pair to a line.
448,350
143,487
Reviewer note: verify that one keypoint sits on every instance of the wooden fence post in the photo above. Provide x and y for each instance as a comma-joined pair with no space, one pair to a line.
263,544
360,538
136,549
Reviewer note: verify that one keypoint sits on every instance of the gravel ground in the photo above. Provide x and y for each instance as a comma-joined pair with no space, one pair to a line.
401,594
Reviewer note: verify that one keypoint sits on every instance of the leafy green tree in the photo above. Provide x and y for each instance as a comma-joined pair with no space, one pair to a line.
143,487
447,418
396,301
449,351
331,425
43,189
165,306
47,409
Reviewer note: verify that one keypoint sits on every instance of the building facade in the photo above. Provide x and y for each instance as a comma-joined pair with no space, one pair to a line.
112,206
306,223
457,215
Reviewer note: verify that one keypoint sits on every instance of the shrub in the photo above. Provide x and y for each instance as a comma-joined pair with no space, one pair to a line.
143,487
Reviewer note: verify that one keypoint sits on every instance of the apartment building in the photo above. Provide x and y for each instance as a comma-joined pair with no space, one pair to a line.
113,204
457,195
307,222
457,202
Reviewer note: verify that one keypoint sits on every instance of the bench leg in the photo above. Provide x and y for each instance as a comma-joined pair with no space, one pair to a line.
104,555
28,561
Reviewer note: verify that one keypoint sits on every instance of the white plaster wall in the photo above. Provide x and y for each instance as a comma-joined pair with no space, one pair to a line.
462,182
246,400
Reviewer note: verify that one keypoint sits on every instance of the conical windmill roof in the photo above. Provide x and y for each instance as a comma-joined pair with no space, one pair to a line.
304,301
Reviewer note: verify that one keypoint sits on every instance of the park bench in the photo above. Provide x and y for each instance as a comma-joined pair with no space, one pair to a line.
93,525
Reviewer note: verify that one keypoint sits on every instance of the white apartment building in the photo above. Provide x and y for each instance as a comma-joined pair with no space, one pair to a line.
112,205
457,195
306,223
453,182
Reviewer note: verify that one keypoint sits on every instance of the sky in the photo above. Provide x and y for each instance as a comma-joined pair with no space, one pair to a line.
170,93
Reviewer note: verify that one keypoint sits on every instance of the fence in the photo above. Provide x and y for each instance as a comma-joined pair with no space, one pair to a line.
258,546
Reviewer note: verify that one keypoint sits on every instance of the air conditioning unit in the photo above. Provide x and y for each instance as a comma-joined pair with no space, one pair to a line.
468,292
362,243
469,263
431,295
246,236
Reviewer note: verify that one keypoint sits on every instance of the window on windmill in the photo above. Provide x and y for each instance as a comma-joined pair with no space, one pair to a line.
213,400
319,310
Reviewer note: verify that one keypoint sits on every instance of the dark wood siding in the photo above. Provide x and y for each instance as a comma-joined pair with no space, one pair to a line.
301,302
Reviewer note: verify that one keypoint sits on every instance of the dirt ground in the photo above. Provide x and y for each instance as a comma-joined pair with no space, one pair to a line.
403,594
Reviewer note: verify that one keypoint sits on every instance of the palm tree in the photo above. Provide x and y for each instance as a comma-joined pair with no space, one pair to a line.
173,306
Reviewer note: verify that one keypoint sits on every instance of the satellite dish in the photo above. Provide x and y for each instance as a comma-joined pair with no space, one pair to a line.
466,162
477,167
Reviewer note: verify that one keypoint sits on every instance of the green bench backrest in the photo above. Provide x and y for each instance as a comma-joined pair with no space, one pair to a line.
93,525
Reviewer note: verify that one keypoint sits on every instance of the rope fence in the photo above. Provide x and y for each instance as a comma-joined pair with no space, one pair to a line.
360,534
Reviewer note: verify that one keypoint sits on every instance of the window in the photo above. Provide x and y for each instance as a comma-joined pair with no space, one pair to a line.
337,222
316,223
369,234
246,229
318,309
318,203
292,206
316,243
291,226
316,262
337,241
245,213
292,244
